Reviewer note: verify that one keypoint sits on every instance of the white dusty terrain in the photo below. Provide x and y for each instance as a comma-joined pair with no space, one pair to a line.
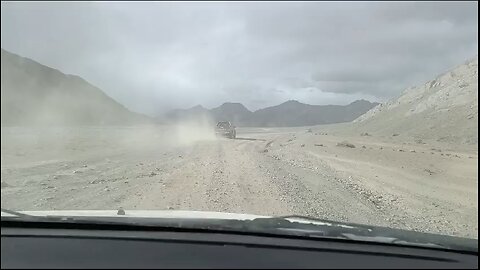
389,181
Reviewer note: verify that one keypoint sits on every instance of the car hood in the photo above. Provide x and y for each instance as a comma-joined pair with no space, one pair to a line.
170,214
142,214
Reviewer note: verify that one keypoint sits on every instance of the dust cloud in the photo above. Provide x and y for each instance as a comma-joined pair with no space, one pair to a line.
190,131
43,144
48,116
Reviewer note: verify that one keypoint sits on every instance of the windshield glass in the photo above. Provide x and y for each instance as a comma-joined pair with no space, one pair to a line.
362,113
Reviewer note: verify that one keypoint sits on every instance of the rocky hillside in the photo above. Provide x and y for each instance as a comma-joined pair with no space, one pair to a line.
288,114
34,94
444,109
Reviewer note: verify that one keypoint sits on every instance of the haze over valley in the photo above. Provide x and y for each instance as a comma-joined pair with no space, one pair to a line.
363,113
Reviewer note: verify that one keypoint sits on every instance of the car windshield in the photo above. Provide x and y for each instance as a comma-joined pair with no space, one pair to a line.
350,112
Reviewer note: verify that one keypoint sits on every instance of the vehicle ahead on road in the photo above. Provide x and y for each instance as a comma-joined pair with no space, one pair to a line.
194,239
225,129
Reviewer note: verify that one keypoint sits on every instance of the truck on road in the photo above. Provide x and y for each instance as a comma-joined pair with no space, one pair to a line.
225,129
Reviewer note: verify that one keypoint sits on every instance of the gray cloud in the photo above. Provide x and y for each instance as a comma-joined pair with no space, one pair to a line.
156,56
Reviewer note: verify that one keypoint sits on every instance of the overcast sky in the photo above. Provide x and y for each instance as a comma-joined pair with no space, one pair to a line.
153,57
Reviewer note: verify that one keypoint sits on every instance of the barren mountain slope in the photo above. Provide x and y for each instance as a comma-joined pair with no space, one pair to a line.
444,109
34,94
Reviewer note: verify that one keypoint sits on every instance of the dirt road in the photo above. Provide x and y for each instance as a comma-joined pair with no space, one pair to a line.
264,171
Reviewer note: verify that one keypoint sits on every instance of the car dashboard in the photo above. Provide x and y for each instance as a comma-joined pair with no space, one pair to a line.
41,246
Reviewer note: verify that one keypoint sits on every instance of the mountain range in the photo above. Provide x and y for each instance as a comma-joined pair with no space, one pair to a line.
288,114
444,108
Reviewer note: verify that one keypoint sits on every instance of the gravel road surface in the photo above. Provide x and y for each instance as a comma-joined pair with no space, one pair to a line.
265,171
